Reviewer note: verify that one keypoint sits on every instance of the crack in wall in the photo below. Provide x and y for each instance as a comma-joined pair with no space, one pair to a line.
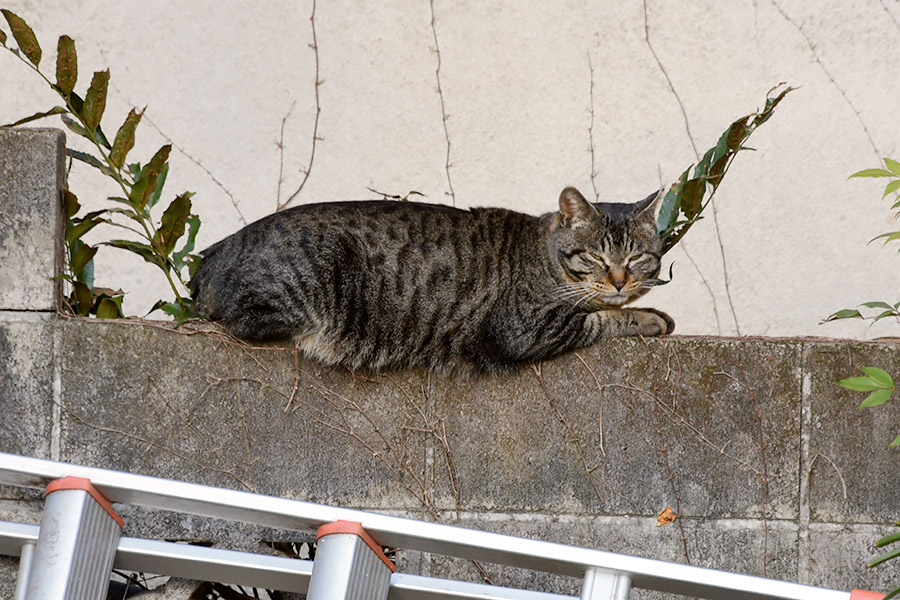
199,164
715,210
180,149
843,93
890,14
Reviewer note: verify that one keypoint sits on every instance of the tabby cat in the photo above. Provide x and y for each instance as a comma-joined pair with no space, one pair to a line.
388,284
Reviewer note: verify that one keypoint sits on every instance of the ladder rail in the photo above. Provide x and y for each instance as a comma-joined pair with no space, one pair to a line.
399,532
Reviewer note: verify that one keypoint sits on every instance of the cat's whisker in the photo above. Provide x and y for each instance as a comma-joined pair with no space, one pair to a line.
570,290
591,295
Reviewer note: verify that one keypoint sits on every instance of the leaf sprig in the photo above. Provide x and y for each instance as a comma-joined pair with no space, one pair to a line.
685,201
141,186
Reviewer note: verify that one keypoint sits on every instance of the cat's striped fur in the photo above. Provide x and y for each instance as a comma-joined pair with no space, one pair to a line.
388,284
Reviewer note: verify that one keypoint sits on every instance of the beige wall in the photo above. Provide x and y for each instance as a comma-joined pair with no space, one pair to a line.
220,78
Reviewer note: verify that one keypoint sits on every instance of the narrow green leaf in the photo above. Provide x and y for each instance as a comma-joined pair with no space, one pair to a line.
56,110
66,65
88,222
160,185
876,398
125,138
886,314
737,133
891,188
25,38
2,37
888,539
83,298
70,203
172,224
883,558
157,306
139,248
879,376
847,313
859,384
872,173
692,197
892,594
193,262
896,441
107,309
181,258
888,237
91,160
893,166
182,310
124,211
95,100
86,274
876,305
146,182
81,257
75,126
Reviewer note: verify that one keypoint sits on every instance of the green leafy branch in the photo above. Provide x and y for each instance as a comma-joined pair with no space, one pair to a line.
686,199
141,186
878,383
892,554
890,171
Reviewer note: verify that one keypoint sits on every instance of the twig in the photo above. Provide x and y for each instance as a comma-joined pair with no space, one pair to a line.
444,115
591,132
809,475
219,184
573,437
600,391
294,388
315,136
152,443
280,146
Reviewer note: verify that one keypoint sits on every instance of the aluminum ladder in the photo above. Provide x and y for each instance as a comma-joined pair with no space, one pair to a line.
79,540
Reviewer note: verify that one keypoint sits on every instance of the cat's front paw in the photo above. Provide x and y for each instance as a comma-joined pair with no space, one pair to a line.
654,322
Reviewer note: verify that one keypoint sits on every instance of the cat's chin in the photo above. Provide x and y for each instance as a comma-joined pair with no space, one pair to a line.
616,300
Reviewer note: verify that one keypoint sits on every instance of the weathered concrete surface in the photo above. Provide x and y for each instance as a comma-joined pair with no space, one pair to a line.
26,382
32,175
749,439
853,479
606,434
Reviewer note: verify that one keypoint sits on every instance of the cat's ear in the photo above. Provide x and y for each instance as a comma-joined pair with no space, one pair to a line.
574,210
648,207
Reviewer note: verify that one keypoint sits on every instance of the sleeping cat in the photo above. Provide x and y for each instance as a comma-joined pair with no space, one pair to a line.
388,284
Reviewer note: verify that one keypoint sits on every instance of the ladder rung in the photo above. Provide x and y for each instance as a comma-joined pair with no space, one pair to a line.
259,570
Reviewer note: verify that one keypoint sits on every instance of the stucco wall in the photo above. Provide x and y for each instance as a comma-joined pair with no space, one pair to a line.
617,96
769,464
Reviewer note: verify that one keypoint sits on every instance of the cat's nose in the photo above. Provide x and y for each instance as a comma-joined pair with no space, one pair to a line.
617,279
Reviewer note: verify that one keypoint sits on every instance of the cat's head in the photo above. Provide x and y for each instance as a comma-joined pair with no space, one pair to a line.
609,254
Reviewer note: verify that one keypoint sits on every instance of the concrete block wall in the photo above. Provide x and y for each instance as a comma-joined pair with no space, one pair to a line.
770,465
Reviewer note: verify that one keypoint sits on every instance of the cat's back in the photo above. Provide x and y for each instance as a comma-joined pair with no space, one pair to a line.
379,223
301,264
